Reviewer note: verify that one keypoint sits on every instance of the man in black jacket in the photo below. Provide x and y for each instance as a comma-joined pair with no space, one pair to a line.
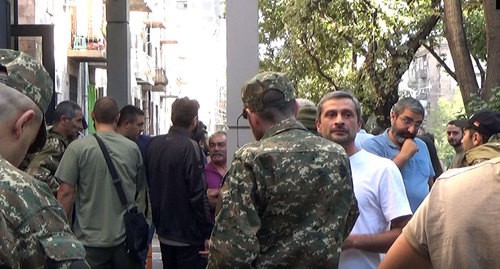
178,190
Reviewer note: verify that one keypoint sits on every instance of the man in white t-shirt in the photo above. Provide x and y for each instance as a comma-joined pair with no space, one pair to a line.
378,186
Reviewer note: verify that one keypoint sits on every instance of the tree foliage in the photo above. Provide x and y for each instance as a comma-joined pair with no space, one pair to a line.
357,45
478,21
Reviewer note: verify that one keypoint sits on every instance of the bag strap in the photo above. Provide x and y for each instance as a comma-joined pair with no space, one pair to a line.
116,179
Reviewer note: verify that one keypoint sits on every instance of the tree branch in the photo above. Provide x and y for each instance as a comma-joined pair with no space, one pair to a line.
440,61
316,61
414,41
481,71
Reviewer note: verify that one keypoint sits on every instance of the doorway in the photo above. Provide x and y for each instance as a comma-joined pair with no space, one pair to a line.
37,40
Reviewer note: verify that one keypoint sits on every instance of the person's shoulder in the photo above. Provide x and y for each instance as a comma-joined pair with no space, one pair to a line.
82,142
374,141
373,160
15,184
491,167
9,171
54,143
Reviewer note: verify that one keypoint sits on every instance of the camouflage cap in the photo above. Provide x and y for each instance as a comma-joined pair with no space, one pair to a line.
254,90
20,71
28,76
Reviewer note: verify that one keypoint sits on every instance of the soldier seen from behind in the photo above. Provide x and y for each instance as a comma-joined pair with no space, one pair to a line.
86,183
33,226
179,201
287,199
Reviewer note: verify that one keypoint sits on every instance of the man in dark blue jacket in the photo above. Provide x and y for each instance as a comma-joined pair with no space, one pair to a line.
178,190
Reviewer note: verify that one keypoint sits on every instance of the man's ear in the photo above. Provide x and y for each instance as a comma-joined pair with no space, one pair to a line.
477,139
393,117
117,118
22,121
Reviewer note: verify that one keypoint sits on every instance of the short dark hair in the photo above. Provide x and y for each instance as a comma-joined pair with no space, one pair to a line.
201,132
339,95
65,108
276,112
129,113
106,110
472,131
184,110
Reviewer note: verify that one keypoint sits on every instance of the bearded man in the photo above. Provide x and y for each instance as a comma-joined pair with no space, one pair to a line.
410,154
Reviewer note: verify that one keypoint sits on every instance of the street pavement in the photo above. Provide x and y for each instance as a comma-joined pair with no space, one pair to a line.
156,254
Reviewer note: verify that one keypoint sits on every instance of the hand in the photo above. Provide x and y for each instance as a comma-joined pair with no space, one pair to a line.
348,242
204,253
212,195
409,148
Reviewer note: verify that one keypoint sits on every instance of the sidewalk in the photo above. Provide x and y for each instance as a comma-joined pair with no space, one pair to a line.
156,254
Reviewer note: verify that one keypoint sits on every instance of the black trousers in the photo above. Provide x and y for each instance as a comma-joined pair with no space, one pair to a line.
174,257
111,258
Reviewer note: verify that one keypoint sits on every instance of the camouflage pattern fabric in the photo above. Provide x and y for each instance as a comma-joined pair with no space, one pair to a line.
254,90
44,164
287,202
33,225
28,76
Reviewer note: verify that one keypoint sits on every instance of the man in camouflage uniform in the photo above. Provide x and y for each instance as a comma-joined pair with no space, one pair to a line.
33,226
68,126
287,200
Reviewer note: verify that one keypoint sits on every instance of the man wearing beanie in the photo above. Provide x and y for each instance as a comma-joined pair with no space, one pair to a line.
307,116
287,200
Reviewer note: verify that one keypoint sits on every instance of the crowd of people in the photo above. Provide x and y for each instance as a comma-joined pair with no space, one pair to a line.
314,190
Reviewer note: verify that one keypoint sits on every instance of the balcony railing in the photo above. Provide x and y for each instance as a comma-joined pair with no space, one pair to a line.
160,80
87,49
143,67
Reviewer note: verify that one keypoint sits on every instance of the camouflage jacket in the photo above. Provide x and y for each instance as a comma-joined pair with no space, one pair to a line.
44,164
287,202
33,228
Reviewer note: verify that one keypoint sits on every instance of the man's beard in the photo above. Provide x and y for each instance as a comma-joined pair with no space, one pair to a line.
401,136
455,143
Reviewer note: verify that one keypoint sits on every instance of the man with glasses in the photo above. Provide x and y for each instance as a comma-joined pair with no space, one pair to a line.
410,154
287,199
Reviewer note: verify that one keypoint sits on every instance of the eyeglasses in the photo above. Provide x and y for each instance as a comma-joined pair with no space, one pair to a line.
409,121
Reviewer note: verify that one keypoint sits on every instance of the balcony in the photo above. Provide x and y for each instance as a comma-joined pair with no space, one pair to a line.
139,5
160,80
143,67
87,49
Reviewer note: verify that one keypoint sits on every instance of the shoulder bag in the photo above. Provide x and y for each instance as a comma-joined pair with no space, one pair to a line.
136,227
